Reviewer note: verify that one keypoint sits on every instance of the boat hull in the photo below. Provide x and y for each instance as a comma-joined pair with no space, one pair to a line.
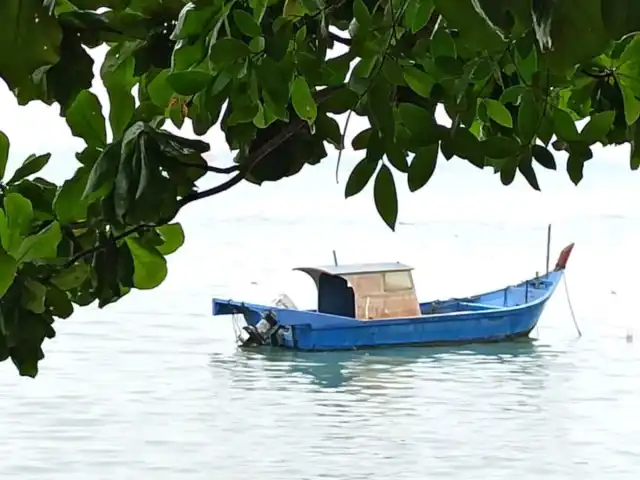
501,315
481,327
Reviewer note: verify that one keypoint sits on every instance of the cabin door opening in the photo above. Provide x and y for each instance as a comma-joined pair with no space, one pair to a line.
335,296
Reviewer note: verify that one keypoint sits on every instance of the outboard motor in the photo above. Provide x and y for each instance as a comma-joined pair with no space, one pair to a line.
260,334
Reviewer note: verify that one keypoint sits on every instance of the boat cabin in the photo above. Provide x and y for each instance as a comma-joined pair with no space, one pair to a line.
365,291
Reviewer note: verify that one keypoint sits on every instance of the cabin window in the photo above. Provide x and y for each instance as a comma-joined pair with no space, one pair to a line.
397,281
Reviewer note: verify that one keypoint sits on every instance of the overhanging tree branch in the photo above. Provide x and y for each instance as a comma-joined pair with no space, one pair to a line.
253,159
211,168
242,171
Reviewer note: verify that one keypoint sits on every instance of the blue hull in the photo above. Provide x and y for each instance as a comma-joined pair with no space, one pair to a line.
500,315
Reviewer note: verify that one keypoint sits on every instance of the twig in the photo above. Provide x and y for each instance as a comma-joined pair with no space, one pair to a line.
253,159
372,77
337,38
100,246
211,168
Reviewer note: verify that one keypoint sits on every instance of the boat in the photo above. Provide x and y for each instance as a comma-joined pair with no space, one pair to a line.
375,305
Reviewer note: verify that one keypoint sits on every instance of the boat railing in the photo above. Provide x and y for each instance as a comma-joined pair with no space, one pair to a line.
478,306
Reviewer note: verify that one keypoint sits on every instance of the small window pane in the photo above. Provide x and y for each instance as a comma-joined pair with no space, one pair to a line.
397,281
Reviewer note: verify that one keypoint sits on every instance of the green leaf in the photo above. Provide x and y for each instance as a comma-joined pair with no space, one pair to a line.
564,126
419,81
30,39
68,204
415,117
150,267
512,94
257,44
466,145
33,296
58,302
385,196
15,221
329,130
621,17
361,140
259,8
474,30
8,268
417,19
227,51
422,167
159,90
598,127
246,23
526,169
544,157
500,147
189,82
33,164
302,100
508,170
569,32
172,236
86,121
4,153
117,72
575,168
498,112
630,101
71,277
361,13
528,117
379,103
103,173
360,176
442,44
42,245
528,66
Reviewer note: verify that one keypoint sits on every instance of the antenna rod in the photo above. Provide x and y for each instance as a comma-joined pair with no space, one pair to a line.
548,246
335,259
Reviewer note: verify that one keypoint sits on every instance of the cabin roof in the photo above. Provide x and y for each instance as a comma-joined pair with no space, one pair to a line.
355,269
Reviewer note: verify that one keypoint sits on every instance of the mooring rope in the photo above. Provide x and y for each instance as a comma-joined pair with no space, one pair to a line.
573,315
236,327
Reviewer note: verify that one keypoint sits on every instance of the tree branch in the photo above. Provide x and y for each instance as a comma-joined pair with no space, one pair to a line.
100,246
291,129
598,75
242,171
337,38
250,162
211,168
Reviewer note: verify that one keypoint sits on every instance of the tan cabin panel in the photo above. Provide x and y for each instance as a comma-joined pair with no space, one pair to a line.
366,284
384,295
375,307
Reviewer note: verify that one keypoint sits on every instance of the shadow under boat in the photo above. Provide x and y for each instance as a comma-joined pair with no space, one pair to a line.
337,369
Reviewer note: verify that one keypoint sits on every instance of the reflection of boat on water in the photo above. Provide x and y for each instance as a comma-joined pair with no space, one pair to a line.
341,368
375,305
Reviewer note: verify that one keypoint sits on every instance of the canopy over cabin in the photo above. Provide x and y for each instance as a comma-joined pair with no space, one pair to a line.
365,291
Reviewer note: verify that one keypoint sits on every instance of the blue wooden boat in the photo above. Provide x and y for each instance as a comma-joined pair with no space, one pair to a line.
375,305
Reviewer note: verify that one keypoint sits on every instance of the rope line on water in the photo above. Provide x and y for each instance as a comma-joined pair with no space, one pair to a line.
573,315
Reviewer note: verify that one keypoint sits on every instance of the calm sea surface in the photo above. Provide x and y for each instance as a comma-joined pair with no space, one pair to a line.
155,388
